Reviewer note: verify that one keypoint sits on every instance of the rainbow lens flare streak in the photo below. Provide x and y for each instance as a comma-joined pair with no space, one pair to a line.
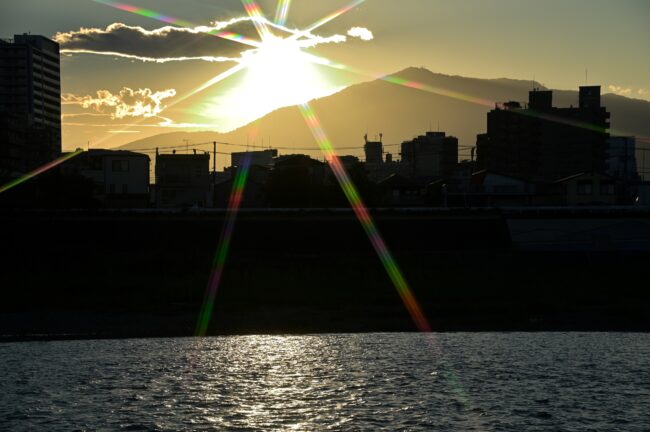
491,104
48,166
171,20
443,92
255,13
212,81
365,219
471,99
223,247
321,22
282,12
145,13
235,37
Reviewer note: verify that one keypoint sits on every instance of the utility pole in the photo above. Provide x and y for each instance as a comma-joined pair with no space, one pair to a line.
214,157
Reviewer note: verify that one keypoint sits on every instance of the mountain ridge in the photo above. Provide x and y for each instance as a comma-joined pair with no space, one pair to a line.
400,113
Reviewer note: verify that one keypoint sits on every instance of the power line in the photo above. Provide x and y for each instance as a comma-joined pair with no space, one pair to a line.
463,148
186,146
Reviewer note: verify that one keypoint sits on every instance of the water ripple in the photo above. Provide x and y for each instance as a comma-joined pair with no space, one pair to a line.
460,381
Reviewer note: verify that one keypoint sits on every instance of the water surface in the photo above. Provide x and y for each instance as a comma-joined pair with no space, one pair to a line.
454,381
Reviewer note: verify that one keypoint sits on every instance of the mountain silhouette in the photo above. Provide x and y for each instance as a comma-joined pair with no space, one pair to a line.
400,113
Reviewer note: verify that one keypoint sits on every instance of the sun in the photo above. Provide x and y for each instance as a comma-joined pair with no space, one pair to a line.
279,73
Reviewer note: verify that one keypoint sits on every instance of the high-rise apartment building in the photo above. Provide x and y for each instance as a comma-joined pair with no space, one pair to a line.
431,155
30,103
543,143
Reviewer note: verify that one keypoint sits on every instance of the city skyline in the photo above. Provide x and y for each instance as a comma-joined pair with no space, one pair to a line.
341,215
372,48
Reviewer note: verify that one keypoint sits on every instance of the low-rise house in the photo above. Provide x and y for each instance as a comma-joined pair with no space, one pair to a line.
498,190
262,158
254,191
399,191
588,188
121,178
183,180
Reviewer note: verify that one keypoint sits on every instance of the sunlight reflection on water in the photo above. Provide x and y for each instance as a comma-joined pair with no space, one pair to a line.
467,381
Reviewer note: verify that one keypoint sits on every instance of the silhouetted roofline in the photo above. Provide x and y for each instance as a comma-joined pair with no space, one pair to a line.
483,173
574,176
125,153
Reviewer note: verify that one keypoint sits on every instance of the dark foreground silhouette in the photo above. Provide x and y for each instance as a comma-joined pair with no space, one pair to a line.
106,274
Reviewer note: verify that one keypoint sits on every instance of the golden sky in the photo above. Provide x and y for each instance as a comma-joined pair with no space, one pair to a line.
138,68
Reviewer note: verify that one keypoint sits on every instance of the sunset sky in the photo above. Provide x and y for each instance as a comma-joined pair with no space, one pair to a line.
126,77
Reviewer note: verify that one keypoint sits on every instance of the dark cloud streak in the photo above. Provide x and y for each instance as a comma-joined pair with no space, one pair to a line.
164,43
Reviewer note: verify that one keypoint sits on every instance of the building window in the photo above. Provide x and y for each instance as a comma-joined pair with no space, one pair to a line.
111,189
607,188
120,165
125,189
585,187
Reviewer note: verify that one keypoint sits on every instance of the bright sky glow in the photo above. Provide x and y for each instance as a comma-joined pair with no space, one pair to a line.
162,45
278,74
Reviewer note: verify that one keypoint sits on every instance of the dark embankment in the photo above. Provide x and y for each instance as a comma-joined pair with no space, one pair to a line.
105,274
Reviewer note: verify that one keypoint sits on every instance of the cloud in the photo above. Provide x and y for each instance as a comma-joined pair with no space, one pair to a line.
126,103
160,45
622,91
147,59
627,91
361,33
75,115
170,43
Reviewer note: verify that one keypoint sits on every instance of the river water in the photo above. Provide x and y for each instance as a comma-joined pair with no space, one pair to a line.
451,381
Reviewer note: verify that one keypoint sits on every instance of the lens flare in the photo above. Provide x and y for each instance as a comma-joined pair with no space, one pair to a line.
219,262
145,13
255,13
437,90
394,79
282,12
48,166
321,22
491,104
235,37
171,20
212,81
365,219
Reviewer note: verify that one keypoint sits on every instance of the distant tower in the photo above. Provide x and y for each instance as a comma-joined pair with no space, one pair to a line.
374,150
540,100
590,97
